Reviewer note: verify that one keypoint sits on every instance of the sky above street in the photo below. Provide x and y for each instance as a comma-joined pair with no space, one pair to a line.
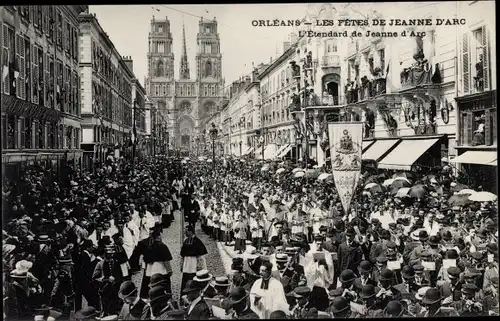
241,43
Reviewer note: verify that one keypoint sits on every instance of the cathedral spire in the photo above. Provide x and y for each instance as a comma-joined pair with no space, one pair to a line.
184,70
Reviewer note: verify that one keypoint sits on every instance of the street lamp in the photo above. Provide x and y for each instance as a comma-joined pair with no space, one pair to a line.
213,136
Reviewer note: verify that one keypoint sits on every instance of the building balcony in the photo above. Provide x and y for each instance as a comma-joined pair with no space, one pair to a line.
366,91
330,61
323,101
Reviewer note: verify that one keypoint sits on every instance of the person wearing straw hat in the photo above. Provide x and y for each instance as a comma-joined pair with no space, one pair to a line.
44,266
203,279
23,285
134,308
221,285
197,308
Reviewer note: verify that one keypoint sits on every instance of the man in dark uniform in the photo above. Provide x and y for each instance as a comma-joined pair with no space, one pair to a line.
238,299
408,288
387,292
349,255
366,275
303,309
368,303
451,290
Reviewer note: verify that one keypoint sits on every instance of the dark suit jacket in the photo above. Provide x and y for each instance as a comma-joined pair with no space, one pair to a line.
349,257
445,289
358,286
405,294
200,311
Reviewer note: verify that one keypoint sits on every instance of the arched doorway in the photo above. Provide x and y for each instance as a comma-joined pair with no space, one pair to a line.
186,132
331,85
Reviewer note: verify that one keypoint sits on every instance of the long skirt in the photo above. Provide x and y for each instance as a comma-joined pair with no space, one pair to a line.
319,298
240,245
217,234
256,241
166,220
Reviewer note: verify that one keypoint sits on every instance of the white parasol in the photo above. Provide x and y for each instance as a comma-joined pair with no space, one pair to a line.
280,170
467,191
370,185
323,176
209,160
299,174
264,168
483,197
295,170
402,179
388,182
402,192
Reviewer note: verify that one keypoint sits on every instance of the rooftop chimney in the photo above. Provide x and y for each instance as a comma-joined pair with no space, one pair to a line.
129,63
248,79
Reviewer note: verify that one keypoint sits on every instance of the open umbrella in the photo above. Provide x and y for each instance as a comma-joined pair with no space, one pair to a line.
408,175
402,192
280,170
370,185
418,191
295,170
372,179
264,168
312,173
459,187
399,178
323,176
459,200
467,191
388,182
377,189
400,183
299,174
209,160
483,197
367,193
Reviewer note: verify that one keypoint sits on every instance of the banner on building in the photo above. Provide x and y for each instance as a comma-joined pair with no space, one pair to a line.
346,140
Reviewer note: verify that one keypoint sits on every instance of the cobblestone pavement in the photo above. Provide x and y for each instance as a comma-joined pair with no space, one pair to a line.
216,259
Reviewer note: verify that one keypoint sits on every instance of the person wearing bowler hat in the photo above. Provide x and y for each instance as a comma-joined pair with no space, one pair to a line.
86,314
468,305
349,253
303,309
421,278
367,303
451,290
365,270
423,237
431,304
160,302
347,280
330,243
340,308
380,264
387,291
197,308
408,288
394,309
134,308
238,300
410,245
267,293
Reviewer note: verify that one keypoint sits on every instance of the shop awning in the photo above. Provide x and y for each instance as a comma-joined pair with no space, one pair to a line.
477,157
366,144
403,156
269,151
22,108
285,150
248,151
379,148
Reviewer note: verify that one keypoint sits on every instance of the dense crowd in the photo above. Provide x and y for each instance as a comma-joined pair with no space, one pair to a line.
410,244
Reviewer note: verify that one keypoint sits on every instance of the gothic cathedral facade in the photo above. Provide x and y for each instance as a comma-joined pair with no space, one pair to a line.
185,104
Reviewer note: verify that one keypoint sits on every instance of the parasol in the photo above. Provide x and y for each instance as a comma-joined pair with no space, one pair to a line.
388,182
402,179
367,193
483,197
377,189
311,173
299,174
400,183
402,192
370,185
323,176
372,179
467,191
458,187
280,170
295,170
459,200
418,191
408,175
209,160
264,168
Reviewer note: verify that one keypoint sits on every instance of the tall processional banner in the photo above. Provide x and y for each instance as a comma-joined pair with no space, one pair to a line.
346,139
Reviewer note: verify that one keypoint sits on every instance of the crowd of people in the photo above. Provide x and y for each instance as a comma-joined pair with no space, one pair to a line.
409,245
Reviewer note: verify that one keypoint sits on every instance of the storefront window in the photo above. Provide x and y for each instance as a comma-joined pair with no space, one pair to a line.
41,135
28,123
11,132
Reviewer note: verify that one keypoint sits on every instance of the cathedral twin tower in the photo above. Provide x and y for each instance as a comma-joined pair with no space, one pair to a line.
185,104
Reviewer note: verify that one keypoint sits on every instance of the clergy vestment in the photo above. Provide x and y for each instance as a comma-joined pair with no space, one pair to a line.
192,250
272,297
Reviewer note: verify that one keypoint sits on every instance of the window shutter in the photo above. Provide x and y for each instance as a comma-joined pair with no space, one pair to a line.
36,80
487,127
465,63
486,56
41,73
468,129
494,126
48,81
5,60
28,68
20,82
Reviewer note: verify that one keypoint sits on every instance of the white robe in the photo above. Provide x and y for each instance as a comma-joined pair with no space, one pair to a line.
145,224
272,299
135,231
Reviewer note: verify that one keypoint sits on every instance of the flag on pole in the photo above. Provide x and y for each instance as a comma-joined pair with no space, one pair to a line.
346,140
